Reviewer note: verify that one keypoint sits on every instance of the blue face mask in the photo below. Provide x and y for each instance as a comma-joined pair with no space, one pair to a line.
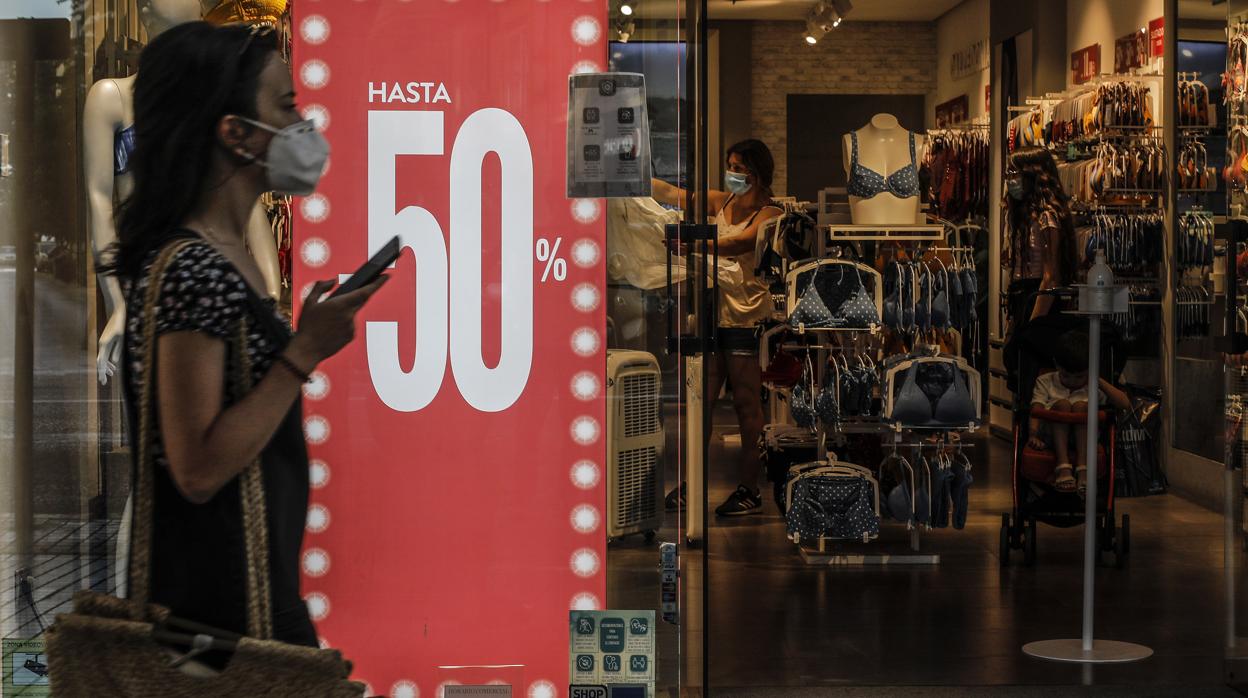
1014,188
737,183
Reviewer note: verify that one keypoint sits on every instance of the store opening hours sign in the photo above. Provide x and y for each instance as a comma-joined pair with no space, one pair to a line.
458,470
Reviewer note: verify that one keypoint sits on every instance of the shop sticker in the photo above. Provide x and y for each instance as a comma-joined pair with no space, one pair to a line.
25,668
585,691
612,647
608,136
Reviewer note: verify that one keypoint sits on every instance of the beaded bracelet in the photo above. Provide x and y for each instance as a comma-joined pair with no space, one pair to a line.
290,366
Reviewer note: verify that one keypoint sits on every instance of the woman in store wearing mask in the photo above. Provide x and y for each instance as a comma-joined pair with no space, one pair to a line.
1041,233
740,213
213,373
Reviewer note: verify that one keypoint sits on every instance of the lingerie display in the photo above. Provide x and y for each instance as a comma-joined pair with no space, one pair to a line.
1193,311
1116,173
790,236
930,492
1134,243
923,296
957,167
1142,321
1194,246
1194,172
1106,108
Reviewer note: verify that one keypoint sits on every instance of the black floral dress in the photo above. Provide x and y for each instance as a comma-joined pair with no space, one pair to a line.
198,553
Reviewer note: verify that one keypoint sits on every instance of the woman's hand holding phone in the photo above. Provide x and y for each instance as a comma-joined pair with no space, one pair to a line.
326,325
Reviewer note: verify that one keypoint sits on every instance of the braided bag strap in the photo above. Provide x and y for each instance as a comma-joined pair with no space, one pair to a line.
142,523
255,513
251,490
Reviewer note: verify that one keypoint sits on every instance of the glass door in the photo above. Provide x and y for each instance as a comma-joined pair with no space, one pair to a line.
660,300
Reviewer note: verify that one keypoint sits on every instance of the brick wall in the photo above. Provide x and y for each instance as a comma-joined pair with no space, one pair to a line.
856,58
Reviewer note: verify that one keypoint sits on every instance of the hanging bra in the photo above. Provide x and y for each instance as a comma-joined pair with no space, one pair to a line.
844,303
911,405
866,183
954,407
941,311
810,309
802,402
123,148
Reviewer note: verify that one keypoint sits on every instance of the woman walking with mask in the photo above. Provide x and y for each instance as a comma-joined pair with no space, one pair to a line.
213,373
739,213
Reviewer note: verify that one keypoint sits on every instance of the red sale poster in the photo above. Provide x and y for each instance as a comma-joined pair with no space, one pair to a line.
458,498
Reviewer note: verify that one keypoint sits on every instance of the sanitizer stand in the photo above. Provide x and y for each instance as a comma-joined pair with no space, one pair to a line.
1099,298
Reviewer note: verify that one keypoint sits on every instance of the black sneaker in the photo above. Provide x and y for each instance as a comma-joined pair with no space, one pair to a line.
740,503
675,499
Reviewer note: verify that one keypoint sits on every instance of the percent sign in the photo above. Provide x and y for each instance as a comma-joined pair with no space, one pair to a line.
555,265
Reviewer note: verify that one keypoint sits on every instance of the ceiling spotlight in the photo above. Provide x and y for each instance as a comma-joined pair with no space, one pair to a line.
626,9
837,23
625,28
814,32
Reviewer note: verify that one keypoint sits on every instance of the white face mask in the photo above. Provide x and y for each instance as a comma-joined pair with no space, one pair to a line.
737,183
295,158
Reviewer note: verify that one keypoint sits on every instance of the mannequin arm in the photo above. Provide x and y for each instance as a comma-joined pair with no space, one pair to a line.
263,247
102,115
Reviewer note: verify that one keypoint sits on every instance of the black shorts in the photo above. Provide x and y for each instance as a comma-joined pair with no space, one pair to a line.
738,341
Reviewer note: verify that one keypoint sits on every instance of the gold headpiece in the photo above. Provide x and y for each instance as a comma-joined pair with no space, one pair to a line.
247,11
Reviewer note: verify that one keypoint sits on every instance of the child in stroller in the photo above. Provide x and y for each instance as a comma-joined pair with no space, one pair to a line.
1066,391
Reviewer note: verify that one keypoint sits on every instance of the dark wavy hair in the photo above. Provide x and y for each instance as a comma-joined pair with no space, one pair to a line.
757,157
189,77
1042,191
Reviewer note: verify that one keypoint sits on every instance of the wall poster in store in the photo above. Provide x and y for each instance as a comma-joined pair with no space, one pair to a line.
608,136
458,445
1131,51
1085,64
1157,37
954,111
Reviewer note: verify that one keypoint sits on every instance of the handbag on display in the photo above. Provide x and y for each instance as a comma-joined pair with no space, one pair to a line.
126,647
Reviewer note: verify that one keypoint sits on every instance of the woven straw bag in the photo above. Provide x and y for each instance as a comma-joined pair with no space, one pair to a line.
110,647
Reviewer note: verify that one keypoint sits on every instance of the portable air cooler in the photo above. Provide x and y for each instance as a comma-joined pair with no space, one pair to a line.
635,444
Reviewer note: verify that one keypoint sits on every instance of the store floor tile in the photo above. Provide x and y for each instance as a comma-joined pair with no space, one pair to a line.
779,627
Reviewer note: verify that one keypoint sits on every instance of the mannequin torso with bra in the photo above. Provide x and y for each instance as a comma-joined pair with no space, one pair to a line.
882,162
108,141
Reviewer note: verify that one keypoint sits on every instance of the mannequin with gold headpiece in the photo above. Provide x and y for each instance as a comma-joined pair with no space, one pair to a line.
246,11
108,139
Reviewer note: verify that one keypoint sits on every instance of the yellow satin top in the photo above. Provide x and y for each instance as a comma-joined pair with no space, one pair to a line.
247,11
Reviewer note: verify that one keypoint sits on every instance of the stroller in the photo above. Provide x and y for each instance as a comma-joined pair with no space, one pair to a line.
1029,354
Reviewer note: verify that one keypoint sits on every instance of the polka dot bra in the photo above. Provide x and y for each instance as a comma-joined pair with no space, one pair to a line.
866,183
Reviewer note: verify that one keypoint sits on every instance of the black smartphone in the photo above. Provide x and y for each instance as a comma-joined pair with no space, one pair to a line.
372,269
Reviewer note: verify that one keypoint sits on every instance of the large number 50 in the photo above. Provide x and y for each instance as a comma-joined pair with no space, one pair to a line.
453,287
